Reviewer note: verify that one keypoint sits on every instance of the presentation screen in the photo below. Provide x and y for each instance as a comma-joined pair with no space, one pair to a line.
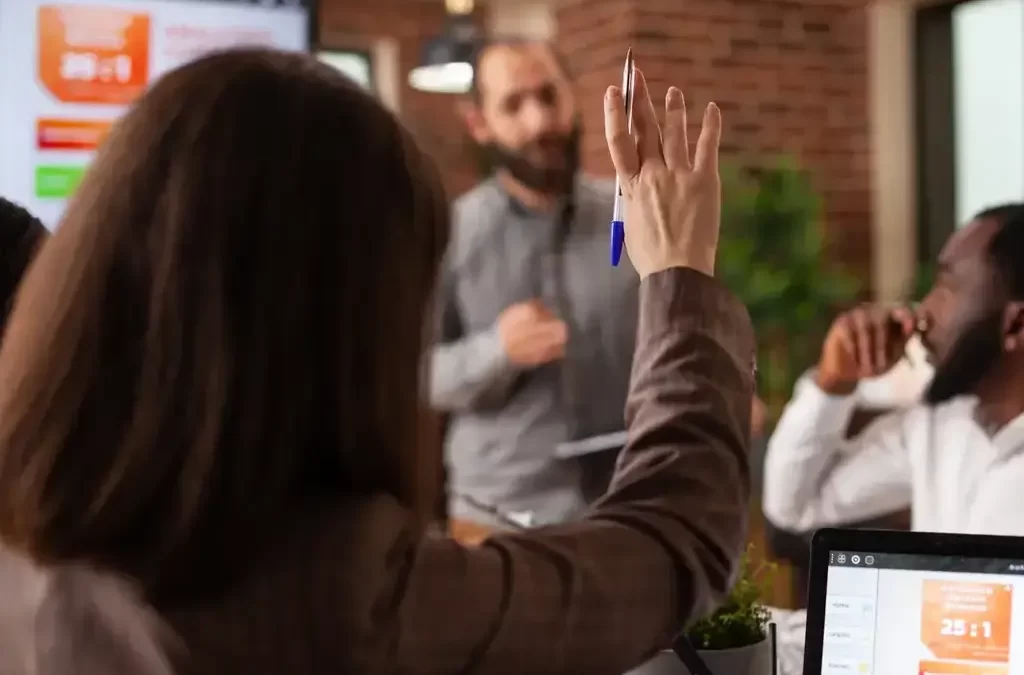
70,68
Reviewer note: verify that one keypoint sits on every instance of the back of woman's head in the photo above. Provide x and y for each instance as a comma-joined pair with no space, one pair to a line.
227,324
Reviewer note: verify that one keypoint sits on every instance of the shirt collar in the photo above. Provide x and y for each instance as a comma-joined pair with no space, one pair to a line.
521,209
1011,436
1007,439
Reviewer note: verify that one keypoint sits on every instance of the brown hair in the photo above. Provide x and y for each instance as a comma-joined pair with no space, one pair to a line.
228,324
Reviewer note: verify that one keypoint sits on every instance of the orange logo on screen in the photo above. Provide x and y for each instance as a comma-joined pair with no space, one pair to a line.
964,620
93,54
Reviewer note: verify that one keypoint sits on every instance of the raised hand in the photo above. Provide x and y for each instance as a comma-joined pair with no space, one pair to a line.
673,204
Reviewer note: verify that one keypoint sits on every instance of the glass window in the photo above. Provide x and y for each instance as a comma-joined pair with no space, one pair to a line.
988,86
355,64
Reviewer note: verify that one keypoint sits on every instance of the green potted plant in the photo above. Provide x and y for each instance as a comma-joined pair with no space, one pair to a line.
922,282
773,255
735,639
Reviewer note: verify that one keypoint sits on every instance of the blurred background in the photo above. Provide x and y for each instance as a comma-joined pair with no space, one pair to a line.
858,134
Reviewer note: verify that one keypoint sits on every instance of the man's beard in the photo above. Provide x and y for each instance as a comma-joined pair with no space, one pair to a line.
548,180
973,356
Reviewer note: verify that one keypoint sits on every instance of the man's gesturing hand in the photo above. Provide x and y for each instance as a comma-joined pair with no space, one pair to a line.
673,205
531,334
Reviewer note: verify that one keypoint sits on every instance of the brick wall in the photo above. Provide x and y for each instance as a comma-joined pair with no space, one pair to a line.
431,117
789,77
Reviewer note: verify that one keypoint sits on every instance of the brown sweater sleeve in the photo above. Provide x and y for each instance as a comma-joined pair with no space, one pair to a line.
660,549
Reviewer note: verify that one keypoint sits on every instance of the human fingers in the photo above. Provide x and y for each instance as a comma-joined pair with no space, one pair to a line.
847,338
881,340
706,156
621,144
864,338
905,318
540,310
645,123
676,144
549,345
549,332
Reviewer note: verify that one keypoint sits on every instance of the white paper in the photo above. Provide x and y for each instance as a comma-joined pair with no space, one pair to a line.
586,446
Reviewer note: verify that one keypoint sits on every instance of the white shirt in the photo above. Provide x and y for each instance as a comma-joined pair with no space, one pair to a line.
937,461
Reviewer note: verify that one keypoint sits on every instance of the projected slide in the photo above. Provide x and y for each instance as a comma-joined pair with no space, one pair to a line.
71,67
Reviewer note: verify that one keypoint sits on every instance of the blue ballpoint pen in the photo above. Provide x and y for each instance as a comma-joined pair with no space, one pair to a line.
618,233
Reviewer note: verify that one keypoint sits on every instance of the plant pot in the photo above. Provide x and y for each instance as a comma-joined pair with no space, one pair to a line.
753,659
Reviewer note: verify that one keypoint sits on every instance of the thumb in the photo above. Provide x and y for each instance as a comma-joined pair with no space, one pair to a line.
621,144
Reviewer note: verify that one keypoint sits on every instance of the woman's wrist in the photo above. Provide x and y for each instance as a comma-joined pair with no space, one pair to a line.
705,264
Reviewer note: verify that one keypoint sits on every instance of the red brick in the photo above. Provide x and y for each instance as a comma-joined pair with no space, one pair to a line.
431,118
789,76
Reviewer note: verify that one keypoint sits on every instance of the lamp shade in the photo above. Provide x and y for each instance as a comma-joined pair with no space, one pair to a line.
446,64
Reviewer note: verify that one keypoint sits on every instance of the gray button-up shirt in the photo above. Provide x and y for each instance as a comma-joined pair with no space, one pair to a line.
505,421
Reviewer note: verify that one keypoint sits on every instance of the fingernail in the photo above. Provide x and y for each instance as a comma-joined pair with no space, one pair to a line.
712,108
674,97
611,97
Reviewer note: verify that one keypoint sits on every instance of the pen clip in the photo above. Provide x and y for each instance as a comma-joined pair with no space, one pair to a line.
628,88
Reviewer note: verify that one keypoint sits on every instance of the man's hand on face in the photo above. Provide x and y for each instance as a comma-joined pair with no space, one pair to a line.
862,343
531,334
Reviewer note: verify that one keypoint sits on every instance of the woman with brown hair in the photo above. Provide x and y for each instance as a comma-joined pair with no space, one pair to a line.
209,404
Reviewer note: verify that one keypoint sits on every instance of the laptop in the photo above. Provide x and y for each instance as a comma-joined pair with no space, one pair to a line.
898,603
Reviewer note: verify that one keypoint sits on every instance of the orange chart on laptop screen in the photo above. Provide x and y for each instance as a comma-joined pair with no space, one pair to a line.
965,620
93,54
961,668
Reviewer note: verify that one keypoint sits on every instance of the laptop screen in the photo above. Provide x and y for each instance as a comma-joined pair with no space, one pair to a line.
891,613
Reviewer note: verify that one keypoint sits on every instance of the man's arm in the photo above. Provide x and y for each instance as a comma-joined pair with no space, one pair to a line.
658,551
814,478
466,371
